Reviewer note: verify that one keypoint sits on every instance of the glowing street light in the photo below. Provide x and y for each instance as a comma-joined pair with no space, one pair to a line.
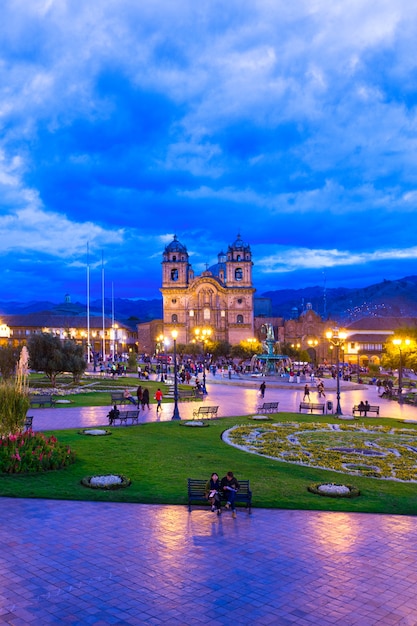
400,343
203,334
337,338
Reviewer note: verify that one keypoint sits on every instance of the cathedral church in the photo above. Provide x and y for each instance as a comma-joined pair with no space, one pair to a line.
219,299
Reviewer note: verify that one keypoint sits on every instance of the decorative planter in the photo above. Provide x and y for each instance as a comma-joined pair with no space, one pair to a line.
106,481
333,490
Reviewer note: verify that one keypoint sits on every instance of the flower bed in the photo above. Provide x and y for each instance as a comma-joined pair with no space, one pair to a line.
95,432
337,447
32,452
334,491
106,481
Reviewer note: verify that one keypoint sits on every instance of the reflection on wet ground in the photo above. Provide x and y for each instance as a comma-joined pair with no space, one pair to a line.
233,397
111,563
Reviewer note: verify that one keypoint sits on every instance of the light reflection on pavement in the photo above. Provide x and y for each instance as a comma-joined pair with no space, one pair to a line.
234,398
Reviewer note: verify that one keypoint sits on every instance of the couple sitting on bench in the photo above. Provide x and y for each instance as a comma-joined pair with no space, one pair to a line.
225,488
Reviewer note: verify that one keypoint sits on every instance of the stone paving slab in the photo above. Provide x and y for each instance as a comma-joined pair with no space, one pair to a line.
106,563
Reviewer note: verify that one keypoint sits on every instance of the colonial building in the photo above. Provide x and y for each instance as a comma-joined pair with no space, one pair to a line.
366,337
220,298
118,338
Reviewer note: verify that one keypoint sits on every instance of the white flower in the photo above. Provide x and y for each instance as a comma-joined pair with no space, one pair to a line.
94,431
339,490
103,481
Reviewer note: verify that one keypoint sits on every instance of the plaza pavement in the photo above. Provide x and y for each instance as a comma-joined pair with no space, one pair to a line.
104,563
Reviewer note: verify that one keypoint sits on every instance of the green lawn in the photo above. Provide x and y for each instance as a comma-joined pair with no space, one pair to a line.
159,457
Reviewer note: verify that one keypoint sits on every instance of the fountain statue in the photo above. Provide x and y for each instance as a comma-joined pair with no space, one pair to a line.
268,359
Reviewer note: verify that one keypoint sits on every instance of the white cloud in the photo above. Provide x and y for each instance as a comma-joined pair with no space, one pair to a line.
292,259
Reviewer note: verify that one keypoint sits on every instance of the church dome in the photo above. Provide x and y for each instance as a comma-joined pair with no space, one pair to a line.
239,244
176,246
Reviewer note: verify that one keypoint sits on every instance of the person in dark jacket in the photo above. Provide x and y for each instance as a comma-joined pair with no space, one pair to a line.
230,486
145,399
212,492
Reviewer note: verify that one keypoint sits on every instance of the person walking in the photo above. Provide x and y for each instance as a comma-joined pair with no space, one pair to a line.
145,399
262,389
306,392
158,398
139,393
320,389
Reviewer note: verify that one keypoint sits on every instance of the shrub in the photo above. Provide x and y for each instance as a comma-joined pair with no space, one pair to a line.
14,404
32,452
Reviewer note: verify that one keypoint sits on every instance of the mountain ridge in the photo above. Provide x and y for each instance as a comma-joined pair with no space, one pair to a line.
386,298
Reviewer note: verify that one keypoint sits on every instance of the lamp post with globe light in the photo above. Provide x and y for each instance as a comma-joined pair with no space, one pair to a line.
176,413
203,334
400,343
337,338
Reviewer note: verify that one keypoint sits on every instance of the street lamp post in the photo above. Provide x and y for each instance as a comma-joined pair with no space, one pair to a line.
399,343
336,337
176,413
202,334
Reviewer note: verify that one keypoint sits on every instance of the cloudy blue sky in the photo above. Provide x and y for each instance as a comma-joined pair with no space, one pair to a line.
124,122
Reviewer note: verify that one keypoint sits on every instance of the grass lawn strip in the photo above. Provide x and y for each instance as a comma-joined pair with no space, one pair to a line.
159,457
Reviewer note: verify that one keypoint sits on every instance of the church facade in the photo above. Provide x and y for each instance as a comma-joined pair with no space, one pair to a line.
219,299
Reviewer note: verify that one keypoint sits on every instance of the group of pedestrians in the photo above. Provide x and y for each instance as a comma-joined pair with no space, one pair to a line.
225,488
320,391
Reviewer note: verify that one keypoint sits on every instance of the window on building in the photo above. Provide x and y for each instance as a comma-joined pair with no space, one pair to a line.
239,319
174,301
174,318
174,274
191,313
238,273
206,314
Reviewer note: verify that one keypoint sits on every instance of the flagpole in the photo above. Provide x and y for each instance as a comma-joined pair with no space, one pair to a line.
88,307
102,309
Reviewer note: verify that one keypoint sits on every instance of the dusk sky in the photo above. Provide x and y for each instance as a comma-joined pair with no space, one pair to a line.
124,122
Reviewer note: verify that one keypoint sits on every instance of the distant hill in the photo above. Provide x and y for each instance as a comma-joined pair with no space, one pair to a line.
389,298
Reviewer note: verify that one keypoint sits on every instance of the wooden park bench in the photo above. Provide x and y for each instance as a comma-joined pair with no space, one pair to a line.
311,406
117,397
185,395
364,411
197,488
205,411
28,422
268,407
123,417
41,399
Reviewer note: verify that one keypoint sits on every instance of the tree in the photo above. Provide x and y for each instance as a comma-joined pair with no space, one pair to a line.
9,356
73,359
218,349
48,354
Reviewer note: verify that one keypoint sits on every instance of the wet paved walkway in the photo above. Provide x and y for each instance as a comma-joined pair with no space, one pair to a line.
233,398
93,563
97,563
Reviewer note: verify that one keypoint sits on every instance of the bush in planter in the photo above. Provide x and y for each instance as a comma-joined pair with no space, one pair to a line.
32,452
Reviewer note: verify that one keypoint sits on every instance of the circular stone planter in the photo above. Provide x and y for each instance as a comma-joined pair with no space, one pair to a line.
95,432
260,418
106,481
332,490
195,424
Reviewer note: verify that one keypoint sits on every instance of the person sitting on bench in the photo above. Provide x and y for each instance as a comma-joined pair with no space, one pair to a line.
128,396
212,490
230,486
113,414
